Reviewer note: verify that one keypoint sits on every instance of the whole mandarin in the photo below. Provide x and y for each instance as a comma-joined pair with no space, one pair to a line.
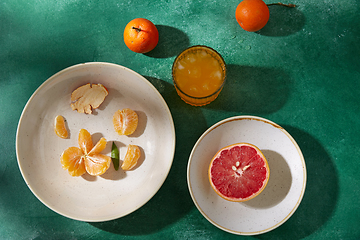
141,35
252,15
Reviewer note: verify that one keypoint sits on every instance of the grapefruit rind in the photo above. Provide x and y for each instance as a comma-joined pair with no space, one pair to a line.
256,193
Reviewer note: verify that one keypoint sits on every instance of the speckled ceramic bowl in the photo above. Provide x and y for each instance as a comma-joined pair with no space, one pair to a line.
285,188
115,193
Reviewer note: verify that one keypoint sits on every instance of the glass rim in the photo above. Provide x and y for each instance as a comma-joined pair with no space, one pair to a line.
224,70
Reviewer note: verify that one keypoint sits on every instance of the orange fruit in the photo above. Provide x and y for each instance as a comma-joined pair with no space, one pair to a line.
239,172
131,157
125,121
141,35
252,15
60,127
86,158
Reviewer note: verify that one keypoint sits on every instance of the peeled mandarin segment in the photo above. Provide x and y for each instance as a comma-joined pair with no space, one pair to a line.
60,127
71,160
85,141
99,146
86,158
131,158
97,164
125,121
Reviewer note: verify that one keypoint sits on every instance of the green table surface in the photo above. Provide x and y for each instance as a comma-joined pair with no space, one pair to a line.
300,71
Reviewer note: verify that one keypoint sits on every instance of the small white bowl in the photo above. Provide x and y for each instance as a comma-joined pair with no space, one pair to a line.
285,188
115,193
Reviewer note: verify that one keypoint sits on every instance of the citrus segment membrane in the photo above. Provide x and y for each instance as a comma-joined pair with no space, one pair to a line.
239,172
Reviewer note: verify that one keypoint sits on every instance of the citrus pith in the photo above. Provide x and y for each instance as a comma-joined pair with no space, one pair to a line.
239,172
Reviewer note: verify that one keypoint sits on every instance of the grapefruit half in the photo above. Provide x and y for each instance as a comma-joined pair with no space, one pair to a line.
239,172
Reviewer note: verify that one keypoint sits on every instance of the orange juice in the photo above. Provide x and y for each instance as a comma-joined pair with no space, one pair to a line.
199,75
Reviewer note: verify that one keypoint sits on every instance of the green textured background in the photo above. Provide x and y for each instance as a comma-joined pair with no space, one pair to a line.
301,71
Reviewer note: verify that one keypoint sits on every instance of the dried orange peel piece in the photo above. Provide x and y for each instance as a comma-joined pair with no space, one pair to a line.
131,157
88,97
86,158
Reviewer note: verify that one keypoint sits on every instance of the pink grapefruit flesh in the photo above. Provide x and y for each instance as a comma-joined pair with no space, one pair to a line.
239,172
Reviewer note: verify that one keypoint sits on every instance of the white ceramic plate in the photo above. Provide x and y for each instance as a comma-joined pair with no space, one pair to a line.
115,193
285,188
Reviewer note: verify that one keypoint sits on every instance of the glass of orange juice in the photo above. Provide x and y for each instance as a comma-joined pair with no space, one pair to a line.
199,74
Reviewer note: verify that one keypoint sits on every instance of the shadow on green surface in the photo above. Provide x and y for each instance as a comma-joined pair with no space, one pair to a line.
5,25
172,42
173,200
283,21
253,90
321,193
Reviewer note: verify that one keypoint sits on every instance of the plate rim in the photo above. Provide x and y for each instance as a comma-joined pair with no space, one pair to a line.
48,81
256,118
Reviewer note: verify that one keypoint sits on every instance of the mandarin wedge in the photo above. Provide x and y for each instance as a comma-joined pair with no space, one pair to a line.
60,127
86,158
131,157
85,141
73,161
99,147
97,164
125,121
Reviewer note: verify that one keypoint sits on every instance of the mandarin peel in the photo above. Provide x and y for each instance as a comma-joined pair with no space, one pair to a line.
88,97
